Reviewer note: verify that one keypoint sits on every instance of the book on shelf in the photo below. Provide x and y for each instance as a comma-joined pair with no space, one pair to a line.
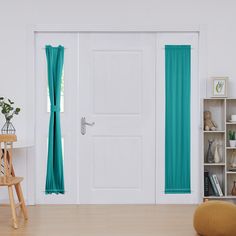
213,185
217,185
206,184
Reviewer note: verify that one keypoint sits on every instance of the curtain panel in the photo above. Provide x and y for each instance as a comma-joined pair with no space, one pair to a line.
177,119
55,175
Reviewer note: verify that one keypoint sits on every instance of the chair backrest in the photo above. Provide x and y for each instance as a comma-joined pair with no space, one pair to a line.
6,144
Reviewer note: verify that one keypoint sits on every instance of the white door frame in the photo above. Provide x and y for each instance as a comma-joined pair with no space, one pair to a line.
32,29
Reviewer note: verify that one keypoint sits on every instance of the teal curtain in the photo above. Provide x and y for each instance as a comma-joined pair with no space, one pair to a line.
177,119
55,175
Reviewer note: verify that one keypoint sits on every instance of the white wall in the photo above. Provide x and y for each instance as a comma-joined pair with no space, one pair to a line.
15,17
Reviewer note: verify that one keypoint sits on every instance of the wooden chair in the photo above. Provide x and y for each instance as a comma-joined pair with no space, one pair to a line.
8,178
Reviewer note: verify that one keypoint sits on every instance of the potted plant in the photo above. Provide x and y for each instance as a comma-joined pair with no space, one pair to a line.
232,141
8,111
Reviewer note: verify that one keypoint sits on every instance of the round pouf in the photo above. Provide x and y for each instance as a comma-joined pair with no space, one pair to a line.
215,218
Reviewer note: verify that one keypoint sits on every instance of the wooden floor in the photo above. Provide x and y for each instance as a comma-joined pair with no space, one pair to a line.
102,220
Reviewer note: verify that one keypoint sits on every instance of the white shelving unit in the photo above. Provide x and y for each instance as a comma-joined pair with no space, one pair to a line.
221,110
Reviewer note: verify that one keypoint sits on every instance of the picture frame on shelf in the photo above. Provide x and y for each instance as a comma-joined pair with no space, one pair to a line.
219,87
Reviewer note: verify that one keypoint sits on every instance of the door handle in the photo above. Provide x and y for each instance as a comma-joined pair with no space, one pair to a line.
83,125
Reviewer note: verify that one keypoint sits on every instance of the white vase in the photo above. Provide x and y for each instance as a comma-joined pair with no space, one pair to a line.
232,143
233,160
216,155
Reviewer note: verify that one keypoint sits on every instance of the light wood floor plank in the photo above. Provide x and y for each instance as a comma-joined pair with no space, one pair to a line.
102,220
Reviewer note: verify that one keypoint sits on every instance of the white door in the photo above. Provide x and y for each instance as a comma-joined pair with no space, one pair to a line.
68,116
117,92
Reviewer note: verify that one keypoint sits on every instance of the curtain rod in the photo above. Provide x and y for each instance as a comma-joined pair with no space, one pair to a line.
45,48
190,48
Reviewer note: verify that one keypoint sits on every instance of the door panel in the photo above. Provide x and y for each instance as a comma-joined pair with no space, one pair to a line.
112,154
117,92
113,92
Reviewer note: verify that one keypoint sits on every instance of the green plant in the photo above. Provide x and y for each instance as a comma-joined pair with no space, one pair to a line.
231,135
7,108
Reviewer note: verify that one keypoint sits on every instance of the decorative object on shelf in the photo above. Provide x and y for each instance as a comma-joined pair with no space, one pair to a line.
219,86
209,155
233,191
232,141
8,128
232,165
209,124
217,158
8,111
233,119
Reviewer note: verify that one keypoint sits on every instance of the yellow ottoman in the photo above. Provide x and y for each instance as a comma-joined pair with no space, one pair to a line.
215,218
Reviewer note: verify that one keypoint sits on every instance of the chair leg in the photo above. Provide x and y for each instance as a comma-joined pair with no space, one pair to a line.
13,207
21,200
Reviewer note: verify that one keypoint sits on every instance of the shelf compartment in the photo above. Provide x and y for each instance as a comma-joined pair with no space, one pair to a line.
219,171
220,139
229,153
231,127
231,177
230,108
217,109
